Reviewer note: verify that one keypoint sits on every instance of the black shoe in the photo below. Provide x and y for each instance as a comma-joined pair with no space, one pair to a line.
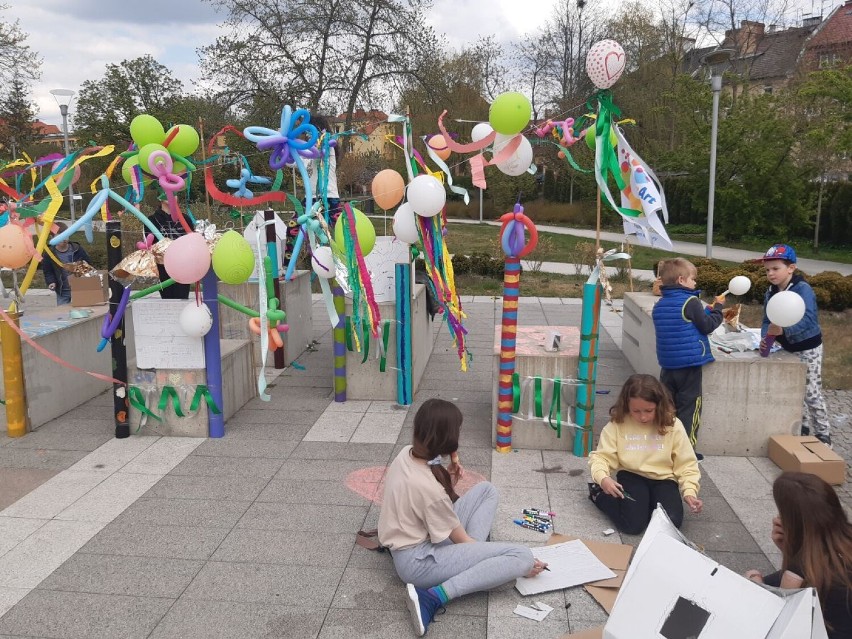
699,457
594,491
825,439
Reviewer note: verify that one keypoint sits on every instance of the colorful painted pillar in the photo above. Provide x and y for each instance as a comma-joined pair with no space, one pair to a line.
339,337
272,252
13,377
587,369
117,344
508,337
404,381
213,357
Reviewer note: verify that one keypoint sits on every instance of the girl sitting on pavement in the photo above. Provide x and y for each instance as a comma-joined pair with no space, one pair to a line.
648,446
438,539
814,536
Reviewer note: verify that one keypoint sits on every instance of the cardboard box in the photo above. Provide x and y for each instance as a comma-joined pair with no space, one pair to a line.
807,455
89,291
671,590
616,557
589,633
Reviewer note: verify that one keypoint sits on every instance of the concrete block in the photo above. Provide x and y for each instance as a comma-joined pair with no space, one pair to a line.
736,387
531,360
296,303
365,381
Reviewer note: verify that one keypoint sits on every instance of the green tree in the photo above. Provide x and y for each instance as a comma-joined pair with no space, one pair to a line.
17,118
106,106
17,59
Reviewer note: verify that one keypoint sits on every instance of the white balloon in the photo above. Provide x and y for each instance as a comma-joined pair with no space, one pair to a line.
481,131
520,161
323,262
426,195
739,285
605,63
404,224
785,309
195,320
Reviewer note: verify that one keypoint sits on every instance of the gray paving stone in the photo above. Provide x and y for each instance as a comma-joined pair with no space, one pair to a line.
114,575
740,562
283,419
246,448
193,619
386,624
370,589
71,615
302,548
13,457
195,487
712,535
300,586
373,453
332,493
310,470
156,541
227,468
283,516
89,426
207,513
502,601
514,627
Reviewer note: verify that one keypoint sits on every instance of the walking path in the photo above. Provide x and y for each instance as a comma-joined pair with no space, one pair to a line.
685,248
252,535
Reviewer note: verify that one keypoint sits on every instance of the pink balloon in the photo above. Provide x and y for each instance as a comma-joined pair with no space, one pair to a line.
58,176
187,259
605,63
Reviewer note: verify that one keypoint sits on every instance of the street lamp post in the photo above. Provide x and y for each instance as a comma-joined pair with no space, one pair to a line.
714,59
63,98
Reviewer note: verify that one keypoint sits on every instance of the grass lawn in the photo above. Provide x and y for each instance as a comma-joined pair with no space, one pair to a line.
553,247
804,248
540,285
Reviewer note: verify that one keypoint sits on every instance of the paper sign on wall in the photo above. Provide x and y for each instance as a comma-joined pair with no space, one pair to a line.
381,263
160,341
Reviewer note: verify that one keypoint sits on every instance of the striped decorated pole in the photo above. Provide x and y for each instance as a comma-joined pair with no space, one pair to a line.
339,337
508,336
587,368
403,335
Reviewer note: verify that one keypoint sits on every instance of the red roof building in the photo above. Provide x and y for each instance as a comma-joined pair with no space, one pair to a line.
831,43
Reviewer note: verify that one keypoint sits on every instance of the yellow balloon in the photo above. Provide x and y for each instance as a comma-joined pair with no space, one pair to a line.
364,229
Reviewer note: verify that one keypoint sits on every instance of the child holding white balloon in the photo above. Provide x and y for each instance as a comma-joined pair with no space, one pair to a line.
790,318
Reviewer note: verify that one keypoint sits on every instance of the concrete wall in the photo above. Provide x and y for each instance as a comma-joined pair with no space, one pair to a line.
296,302
746,398
53,390
365,381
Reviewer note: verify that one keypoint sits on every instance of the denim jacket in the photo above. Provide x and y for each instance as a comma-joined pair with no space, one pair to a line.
808,326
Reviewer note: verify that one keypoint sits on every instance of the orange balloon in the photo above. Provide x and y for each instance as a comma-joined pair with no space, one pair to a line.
16,246
439,145
388,188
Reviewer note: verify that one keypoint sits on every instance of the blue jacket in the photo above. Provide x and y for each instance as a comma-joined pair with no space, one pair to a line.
682,326
806,332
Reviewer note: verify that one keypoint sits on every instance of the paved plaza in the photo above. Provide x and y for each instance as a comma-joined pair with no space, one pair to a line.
253,535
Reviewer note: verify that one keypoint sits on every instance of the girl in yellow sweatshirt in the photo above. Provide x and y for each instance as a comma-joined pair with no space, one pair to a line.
648,446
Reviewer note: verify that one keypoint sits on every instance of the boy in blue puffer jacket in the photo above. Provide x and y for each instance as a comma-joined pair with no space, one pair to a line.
803,338
682,325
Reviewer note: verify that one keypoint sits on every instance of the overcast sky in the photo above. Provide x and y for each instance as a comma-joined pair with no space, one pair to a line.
78,38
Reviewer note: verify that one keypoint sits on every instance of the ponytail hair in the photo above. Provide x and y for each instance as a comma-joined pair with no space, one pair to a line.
436,432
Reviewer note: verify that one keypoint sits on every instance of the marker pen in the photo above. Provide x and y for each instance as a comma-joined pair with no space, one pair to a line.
526,524
537,512
536,521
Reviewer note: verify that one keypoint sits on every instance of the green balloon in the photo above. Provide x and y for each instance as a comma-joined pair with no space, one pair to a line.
145,153
146,129
233,258
590,137
510,113
185,142
364,229
127,169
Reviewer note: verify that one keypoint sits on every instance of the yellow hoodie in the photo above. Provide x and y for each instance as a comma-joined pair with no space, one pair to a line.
640,449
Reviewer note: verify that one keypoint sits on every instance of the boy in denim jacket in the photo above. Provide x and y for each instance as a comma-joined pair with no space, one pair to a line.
804,338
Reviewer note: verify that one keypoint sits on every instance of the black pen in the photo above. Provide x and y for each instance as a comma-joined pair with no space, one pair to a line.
547,569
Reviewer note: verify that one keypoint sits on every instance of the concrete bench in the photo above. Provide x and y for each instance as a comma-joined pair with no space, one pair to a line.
746,398
531,360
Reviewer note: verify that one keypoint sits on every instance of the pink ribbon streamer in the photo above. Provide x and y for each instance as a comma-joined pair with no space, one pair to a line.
54,358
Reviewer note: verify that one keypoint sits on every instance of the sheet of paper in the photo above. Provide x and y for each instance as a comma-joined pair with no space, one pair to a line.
538,613
570,563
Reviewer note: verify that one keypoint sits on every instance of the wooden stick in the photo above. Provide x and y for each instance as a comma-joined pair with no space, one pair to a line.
598,223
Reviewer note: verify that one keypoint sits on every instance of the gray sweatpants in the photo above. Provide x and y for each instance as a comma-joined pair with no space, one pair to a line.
814,413
466,568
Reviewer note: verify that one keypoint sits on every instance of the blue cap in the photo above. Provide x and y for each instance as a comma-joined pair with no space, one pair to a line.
779,252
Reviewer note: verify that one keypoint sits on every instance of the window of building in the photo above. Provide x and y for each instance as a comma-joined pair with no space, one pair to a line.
767,90
827,60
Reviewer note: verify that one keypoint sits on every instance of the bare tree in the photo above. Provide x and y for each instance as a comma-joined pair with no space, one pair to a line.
17,60
319,54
